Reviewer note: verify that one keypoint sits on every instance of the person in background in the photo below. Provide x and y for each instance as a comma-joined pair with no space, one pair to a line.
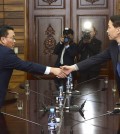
66,50
9,61
111,53
89,46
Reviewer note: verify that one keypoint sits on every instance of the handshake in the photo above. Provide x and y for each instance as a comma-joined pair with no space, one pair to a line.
63,71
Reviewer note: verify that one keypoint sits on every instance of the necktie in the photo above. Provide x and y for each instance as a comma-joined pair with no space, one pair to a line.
118,64
61,59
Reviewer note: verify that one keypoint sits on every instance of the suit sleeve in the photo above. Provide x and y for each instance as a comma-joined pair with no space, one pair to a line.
13,62
95,47
94,60
81,46
58,48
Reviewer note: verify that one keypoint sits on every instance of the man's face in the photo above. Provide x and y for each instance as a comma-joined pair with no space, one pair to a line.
92,32
9,41
69,36
113,32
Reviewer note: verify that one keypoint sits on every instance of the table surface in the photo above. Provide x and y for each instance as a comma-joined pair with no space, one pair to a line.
100,97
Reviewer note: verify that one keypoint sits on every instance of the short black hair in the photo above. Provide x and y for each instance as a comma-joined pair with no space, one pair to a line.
115,20
4,30
67,31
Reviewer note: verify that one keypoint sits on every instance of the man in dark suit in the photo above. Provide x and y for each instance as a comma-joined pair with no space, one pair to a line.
10,61
66,50
111,52
89,46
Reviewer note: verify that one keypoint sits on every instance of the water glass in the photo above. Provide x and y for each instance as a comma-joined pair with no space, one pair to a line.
20,104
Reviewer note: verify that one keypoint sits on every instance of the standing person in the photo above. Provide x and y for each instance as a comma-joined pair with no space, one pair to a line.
9,61
112,52
66,50
89,46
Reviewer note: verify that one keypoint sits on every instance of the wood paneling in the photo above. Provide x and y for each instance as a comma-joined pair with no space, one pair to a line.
14,22
95,4
14,2
39,4
44,51
1,1
1,15
14,8
117,7
14,15
1,7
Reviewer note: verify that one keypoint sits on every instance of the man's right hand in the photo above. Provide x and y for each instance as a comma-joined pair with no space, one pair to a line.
62,39
68,69
58,72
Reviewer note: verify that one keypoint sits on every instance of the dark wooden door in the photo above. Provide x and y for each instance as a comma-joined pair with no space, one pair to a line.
48,18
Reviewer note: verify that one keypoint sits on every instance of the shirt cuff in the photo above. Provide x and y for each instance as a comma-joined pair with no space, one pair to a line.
47,71
76,67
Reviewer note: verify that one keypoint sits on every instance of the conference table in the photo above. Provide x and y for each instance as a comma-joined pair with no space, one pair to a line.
89,112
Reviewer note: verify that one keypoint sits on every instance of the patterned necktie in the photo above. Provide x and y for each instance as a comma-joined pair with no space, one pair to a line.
118,64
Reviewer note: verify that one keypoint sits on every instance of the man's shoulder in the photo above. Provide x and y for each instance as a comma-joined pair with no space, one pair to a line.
96,39
5,50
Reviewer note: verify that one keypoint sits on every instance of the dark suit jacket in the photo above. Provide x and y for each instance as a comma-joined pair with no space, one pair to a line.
69,54
110,53
91,49
8,62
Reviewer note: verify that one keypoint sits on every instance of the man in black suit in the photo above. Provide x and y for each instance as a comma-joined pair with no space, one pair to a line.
66,50
89,46
111,52
10,61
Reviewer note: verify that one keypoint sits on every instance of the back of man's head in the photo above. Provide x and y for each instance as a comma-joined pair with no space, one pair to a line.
115,20
4,30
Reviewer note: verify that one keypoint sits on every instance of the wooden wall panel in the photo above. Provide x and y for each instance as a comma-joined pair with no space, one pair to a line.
39,4
14,2
13,8
117,6
14,15
94,3
52,25
1,1
1,15
1,7
43,15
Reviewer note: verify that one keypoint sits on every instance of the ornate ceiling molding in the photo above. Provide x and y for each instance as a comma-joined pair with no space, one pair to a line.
92,1
49,1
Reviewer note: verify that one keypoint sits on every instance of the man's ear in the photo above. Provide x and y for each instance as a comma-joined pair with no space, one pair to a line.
3,40
118,29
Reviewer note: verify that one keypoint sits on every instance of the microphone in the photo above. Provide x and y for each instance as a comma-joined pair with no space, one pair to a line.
71,130
116,110
77,108
81,109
